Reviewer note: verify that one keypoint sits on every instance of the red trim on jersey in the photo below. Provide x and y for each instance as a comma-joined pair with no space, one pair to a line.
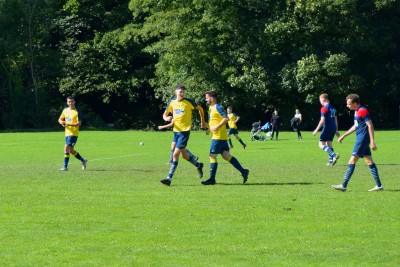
324,110
362,112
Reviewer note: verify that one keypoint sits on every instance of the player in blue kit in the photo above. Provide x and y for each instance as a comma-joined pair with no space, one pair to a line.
364,138
329,125
217,119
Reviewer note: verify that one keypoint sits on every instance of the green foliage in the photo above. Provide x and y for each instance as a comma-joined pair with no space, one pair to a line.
259,55
29,62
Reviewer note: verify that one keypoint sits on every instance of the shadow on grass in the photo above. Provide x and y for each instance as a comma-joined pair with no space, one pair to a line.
392,190
258,184
117,170
273,184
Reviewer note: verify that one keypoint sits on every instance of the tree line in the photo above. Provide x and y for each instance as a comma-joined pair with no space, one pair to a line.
121,59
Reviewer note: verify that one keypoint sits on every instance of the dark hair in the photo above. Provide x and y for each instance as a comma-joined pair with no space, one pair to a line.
71,97
354,98
212,94
180,87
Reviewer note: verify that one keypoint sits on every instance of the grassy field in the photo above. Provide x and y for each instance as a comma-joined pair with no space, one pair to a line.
117,213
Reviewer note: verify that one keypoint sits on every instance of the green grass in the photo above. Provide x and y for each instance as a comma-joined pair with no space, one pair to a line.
117,213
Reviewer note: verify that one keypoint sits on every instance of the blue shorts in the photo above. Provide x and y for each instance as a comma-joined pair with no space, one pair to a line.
327,135
218,146
361,149
181,139
232,131
71,140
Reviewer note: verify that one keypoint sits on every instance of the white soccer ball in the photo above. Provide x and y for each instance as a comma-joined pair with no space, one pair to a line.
141,144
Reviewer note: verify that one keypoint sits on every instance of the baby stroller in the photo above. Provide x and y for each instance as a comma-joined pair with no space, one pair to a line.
257,129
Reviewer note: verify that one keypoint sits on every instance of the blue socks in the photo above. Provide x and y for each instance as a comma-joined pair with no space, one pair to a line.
172,169
349,173
236,164
66,159
375,175
213,170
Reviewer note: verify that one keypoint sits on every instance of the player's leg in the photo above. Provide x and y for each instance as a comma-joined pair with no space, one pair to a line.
75,153
325,143
349,172
66,158
213,170
181,142
332,156
215,149
235,163
240,140
186,154
173,145
173,167
230,132
374,172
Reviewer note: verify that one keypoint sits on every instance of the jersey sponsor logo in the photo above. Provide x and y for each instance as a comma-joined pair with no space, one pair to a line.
179,111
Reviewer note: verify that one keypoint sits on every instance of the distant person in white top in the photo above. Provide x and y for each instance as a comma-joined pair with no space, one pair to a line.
299,118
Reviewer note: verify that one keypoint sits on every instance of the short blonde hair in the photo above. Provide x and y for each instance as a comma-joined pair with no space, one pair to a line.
324,96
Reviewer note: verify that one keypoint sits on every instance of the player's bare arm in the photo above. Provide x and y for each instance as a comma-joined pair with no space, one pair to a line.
371,135
321,122
337,127
167,116
201,112
350,131
61,121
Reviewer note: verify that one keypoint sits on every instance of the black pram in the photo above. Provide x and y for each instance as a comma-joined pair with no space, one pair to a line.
257,129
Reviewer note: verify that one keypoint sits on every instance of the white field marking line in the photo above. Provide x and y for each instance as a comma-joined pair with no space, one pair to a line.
125,156
89,160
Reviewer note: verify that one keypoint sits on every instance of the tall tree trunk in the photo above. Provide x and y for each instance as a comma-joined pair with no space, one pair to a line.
31,10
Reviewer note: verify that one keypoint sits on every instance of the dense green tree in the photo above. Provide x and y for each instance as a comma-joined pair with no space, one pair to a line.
123,58
104,62
274,54
29,62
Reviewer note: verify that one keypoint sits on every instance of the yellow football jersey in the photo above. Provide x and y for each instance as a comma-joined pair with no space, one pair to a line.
232,118
215,114
182,113
71,116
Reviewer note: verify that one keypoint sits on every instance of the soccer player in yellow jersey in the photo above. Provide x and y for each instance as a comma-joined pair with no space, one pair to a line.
181,109
233,119
217,120
70,119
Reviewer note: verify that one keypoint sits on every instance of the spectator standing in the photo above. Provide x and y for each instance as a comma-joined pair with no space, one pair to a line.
276,122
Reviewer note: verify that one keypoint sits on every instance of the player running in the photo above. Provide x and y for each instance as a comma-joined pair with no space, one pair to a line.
181,109
233,119
217,120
